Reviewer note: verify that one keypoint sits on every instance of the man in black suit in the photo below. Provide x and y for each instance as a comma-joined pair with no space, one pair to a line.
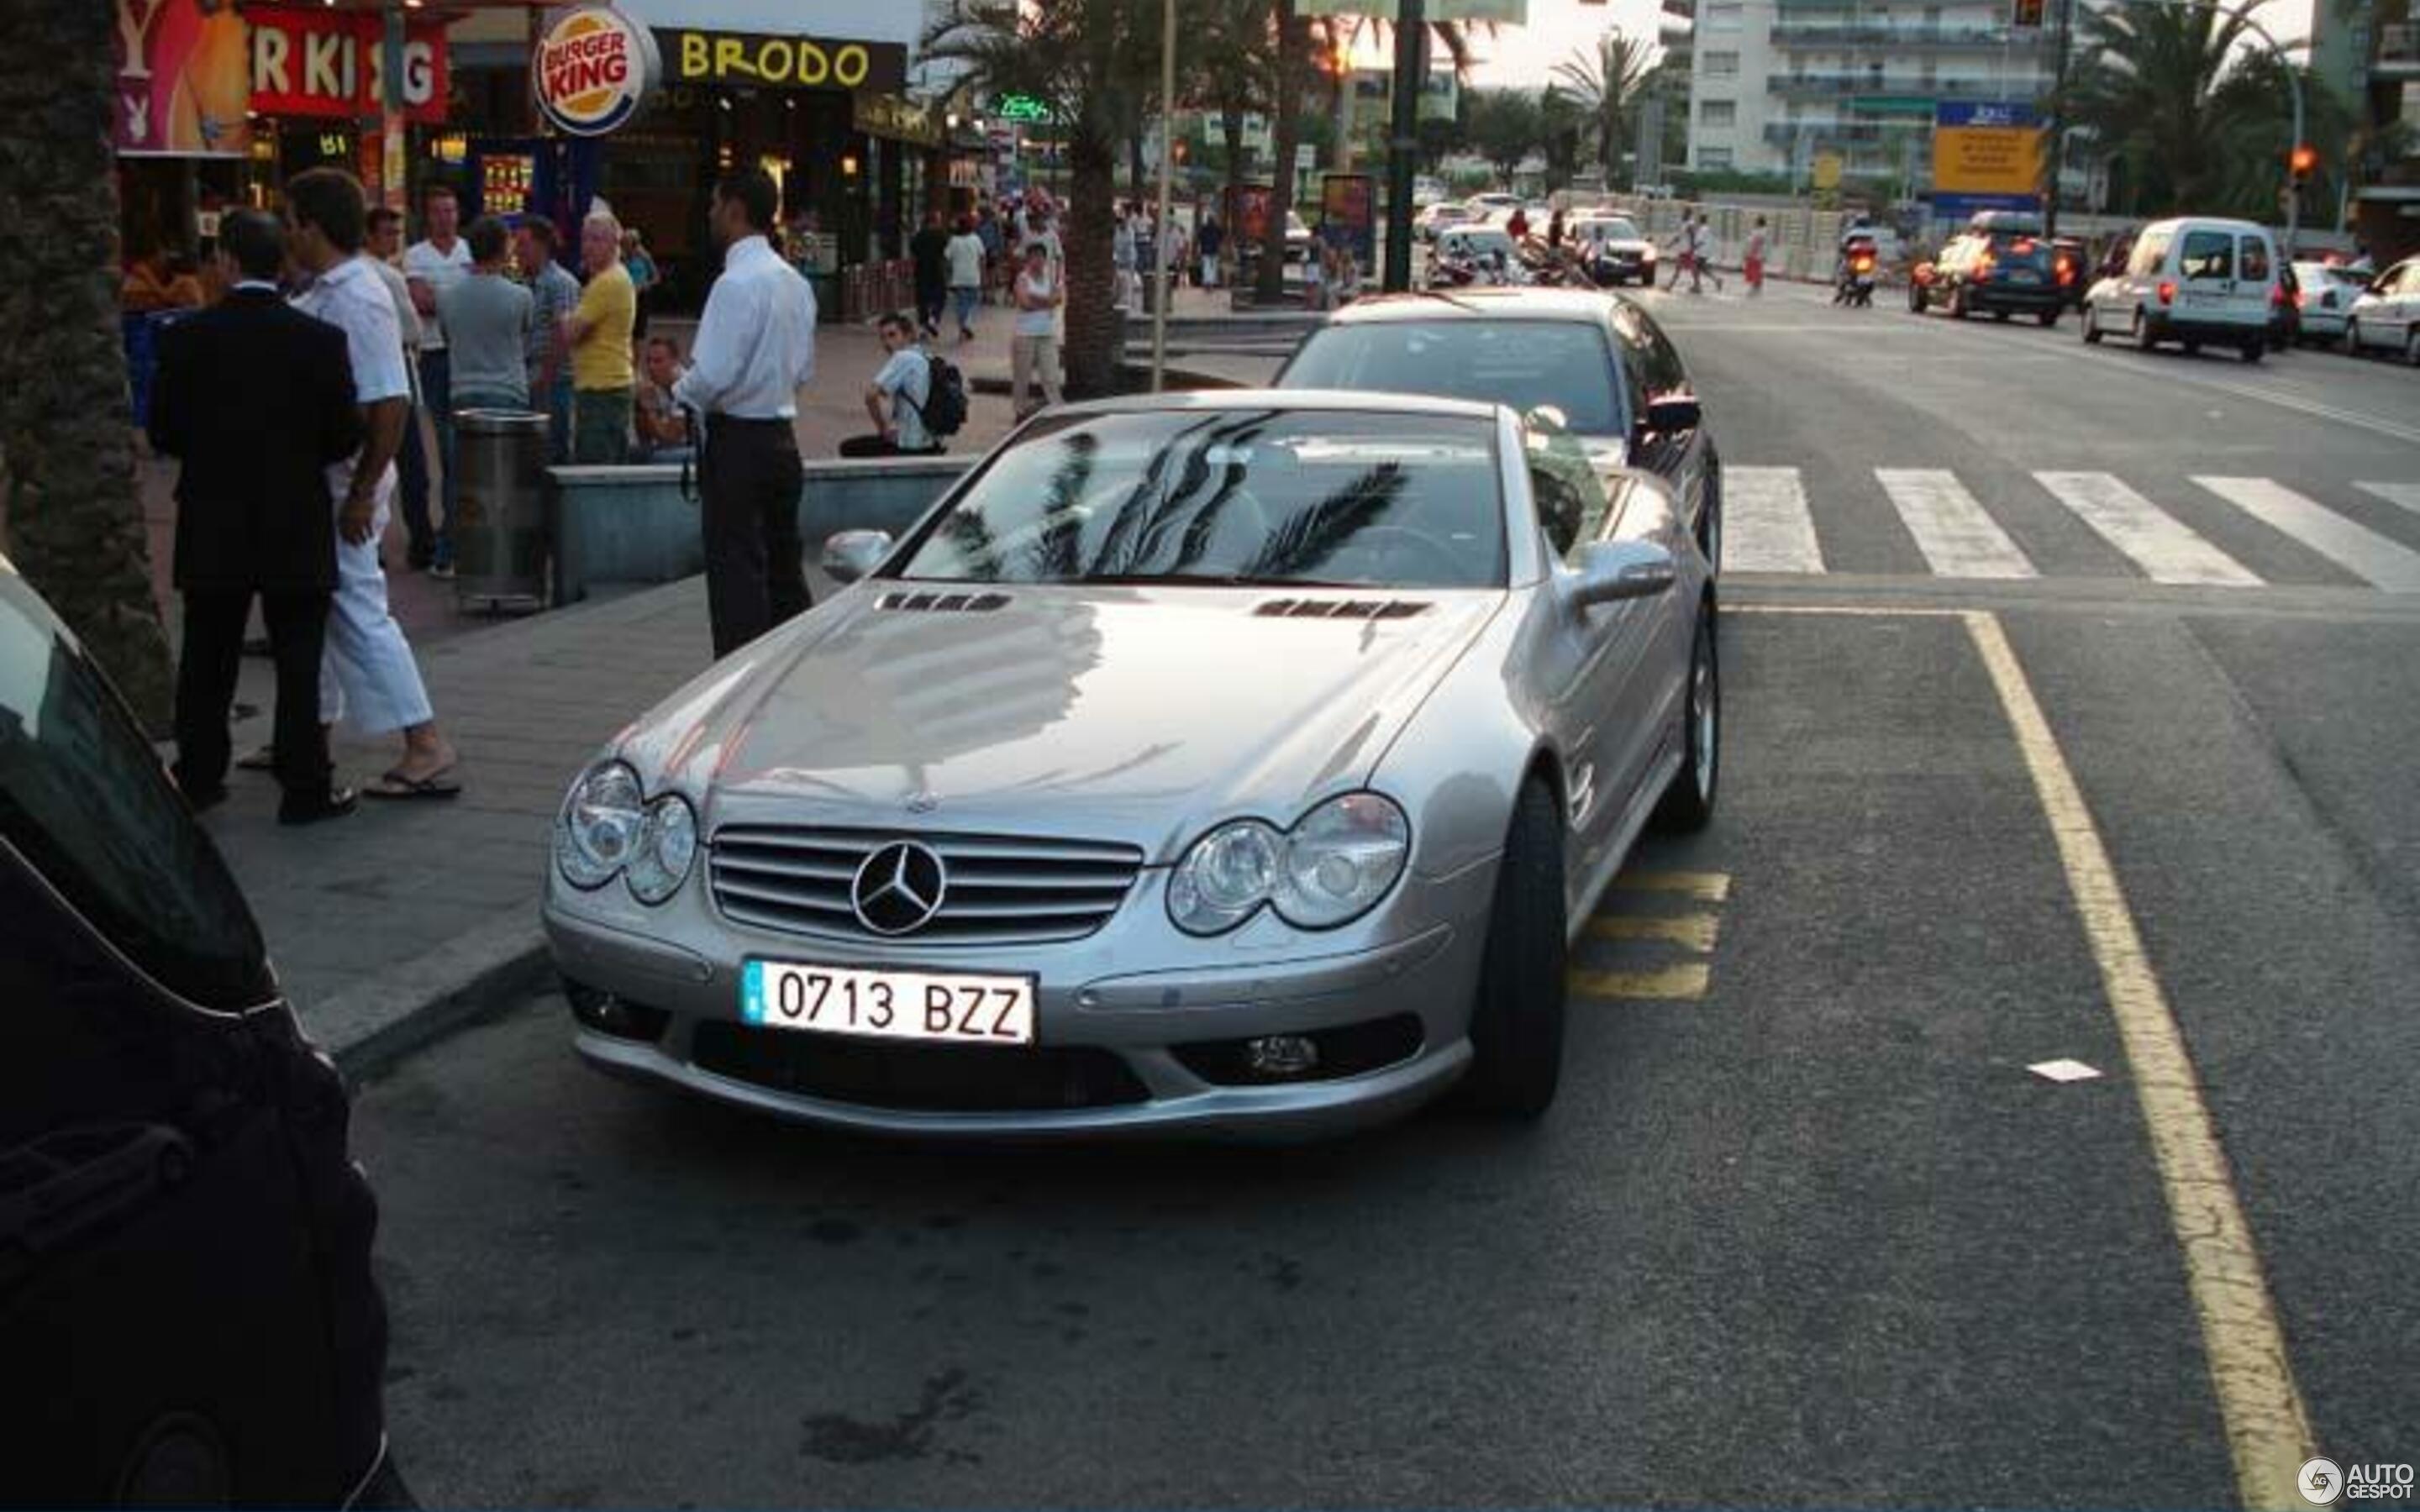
257,400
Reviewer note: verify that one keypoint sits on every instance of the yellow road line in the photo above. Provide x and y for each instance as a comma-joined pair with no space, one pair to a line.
1693,932
1672,984
1705,886
2268,1428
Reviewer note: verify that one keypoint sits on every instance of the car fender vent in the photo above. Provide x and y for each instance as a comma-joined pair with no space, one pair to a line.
1339,608
930,603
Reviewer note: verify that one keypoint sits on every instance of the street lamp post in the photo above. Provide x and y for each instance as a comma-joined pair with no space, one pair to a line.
1411,74
1160,243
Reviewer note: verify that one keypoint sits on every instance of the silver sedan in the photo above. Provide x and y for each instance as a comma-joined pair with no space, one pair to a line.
1237,764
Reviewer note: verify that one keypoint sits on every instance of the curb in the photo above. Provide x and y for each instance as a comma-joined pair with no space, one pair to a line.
372,1027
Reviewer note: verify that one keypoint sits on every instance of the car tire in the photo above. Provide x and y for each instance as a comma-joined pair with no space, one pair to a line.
2048,318
2189,347
2090,332
1517,1027
1914,299
2352,338
2141,331
2002,315
1710,518
2256,348
1688,804
1958,303
2412,348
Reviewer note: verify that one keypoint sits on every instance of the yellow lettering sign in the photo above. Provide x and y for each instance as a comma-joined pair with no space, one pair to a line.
854,64
694,62
730,56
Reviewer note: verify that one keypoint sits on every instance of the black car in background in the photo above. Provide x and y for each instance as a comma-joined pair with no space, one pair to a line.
1596,364
187,1314
2000,266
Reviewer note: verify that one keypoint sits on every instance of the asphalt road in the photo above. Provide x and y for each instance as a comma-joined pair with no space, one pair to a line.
1804,1226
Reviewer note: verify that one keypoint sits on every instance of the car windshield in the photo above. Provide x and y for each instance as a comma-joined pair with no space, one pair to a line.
1528,364
2020,248
1251,496
1609,230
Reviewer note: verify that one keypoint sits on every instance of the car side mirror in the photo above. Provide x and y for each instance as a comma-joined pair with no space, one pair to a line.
1674,415
1615,572
852,554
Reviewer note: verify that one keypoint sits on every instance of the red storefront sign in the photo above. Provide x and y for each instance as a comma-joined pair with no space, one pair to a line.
334,63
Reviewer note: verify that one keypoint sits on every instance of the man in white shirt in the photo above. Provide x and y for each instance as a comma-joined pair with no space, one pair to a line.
1033,346
430,267
897,396
755,348
368,671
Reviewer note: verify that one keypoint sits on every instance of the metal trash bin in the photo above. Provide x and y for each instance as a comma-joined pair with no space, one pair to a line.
501,540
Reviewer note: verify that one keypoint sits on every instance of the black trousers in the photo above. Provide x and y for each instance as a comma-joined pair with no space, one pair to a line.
206,677
931,299
750,479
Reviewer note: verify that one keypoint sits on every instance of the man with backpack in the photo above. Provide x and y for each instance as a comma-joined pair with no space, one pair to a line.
914,401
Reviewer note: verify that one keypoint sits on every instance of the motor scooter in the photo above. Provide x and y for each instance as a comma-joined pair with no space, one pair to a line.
1855,284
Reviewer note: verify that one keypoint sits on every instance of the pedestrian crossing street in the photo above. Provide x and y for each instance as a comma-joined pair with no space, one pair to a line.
1770,524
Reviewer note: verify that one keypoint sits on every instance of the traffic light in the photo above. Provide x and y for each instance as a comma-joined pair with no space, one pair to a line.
2300,163
2026,13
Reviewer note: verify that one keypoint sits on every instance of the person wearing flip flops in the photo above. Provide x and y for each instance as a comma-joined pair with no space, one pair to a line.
368,665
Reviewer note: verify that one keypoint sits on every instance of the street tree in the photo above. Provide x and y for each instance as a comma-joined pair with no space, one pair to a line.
1079,58
1290,73
74,521
1506,125
1227,49
1607,85
2165,91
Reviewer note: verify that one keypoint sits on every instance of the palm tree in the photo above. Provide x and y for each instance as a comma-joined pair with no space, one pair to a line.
1228,54
74,525
2160,92
1289,73
1080,58
1606,87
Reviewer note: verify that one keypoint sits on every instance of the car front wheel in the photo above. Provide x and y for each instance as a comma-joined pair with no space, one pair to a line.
2091,332
2352,338
1517,1027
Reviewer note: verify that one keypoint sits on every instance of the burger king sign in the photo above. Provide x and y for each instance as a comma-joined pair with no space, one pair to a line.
592,69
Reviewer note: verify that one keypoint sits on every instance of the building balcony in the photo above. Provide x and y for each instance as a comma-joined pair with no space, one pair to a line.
1839,133
1952,86
1827,34
2399,52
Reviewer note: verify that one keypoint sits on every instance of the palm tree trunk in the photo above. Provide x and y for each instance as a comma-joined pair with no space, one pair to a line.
1091,330
1286,130
1230,128
74,523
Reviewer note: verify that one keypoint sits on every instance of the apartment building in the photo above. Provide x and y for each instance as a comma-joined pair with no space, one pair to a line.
2387,207
1775,83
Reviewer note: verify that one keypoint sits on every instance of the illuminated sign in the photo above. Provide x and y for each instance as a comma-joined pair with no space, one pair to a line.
1021,108
1986,147
592,70
784,62
333,63
181,89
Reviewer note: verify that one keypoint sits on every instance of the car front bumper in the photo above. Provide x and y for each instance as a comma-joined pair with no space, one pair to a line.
1142,1052
2026,298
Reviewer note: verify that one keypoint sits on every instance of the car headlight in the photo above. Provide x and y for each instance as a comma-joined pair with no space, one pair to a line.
598,831
667,848
1329,870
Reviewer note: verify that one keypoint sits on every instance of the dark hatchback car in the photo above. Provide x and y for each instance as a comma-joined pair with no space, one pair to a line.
1997,270
187,1314
1596,364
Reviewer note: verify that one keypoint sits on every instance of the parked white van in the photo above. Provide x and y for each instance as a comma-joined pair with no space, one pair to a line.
2191,281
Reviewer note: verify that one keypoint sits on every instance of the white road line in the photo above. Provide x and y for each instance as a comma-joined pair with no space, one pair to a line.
2357,548
1768,528
1950,528
2405,494
2166,550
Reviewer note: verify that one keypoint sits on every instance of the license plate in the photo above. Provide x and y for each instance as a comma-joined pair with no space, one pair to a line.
2020,275
935,1007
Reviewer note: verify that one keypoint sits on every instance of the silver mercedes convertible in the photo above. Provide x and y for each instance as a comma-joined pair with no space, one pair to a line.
1236,764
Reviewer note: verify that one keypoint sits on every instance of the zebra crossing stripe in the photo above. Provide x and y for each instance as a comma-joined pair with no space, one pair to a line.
2405,494
2166,549
1956,537
1769,527
2357,548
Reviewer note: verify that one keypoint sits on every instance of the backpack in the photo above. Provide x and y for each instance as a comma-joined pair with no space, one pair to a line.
944,409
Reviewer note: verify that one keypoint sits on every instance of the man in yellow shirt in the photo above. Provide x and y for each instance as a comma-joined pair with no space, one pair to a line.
599,335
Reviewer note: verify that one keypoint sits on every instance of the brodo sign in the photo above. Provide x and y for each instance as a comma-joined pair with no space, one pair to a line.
592,69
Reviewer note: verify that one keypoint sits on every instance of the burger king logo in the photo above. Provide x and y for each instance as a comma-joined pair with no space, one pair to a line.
592,69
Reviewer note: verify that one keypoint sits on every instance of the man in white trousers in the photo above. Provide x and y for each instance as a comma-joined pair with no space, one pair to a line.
369,671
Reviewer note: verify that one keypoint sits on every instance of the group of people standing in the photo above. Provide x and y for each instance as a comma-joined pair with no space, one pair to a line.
287,404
